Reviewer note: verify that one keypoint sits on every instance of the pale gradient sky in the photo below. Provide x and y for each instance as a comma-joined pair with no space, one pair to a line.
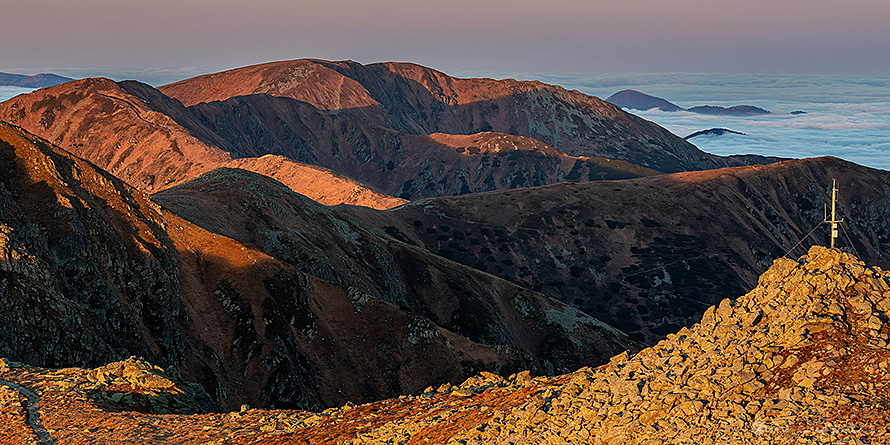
164,40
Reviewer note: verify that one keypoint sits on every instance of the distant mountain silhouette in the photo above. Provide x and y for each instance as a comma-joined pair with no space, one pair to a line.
36,81
735,110
636,100
712,132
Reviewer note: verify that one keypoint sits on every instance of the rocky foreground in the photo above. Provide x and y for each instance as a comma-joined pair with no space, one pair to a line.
802,358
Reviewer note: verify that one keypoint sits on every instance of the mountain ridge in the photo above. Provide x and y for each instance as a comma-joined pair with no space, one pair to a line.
152,142
382,125
640,253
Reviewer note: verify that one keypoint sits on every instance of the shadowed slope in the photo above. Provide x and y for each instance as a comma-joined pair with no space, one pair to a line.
323,243
649,255
141,136
407,166
93,271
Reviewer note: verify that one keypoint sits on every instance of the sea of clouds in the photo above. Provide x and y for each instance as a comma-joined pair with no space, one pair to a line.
846,116
9,92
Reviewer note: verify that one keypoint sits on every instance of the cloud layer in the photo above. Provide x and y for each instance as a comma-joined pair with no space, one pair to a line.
846,116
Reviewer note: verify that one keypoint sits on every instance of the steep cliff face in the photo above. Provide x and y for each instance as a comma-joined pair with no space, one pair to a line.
803,356
83,260
649,255
93,271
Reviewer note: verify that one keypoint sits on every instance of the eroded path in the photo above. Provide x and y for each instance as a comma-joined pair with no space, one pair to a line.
33,410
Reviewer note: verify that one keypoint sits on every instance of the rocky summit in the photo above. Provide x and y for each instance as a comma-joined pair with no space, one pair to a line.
802,358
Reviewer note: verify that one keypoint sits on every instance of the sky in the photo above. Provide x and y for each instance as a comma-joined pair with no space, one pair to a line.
160,41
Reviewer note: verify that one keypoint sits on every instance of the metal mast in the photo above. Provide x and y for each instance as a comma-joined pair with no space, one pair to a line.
833,221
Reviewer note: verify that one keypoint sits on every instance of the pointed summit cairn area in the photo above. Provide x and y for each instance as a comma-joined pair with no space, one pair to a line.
802,358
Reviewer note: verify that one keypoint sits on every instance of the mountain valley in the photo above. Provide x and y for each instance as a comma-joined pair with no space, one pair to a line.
334,247
94,271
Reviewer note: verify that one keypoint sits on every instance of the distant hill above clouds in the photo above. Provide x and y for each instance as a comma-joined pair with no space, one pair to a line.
636,100
713,132
736,110
36,81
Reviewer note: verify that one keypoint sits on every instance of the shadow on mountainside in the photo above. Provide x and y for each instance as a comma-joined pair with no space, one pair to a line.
648,255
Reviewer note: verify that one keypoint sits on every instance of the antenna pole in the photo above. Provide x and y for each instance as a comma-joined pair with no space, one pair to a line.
833,221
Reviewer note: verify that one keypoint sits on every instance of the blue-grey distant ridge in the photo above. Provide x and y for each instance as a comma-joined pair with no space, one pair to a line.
636,100
41,80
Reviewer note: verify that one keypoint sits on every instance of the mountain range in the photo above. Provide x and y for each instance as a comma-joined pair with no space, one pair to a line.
307,233
405,130
647,255
94,270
